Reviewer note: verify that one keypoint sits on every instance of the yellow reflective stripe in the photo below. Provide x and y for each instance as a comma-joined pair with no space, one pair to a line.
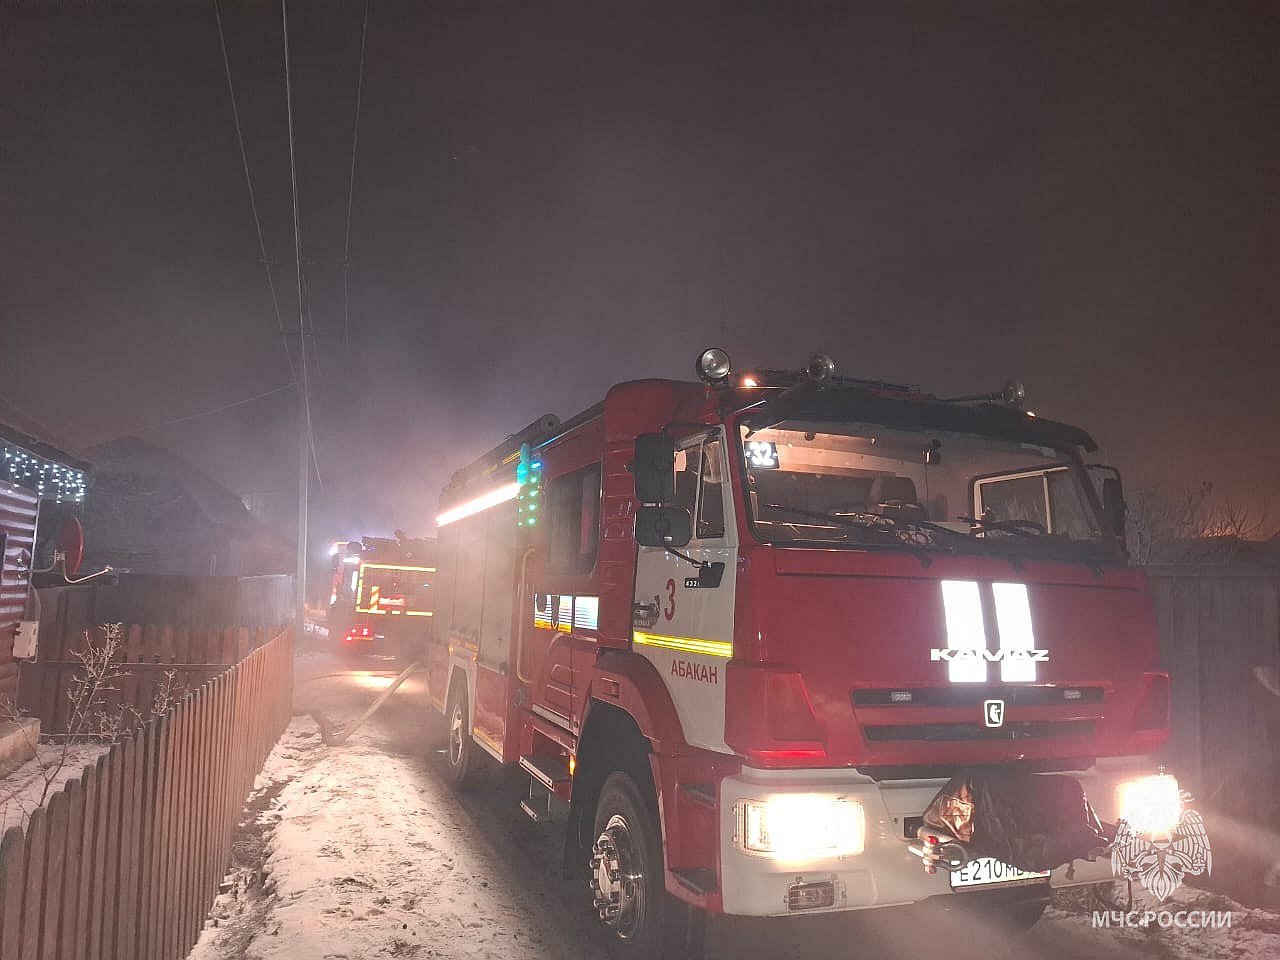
712,648
374,593
487,741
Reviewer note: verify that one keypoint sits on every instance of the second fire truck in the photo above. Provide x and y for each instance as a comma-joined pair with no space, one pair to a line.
757,639
382,590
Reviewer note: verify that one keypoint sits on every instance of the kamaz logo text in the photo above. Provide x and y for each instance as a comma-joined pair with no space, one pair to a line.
970,631
993,656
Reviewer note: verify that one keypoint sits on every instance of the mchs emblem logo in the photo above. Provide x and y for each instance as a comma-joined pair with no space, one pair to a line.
1162,857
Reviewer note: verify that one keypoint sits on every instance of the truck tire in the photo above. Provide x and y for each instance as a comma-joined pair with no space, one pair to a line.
628,886
460,748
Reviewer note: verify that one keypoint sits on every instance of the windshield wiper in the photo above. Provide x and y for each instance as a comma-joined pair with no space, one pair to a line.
894,520
1035,530
1022,528
904,530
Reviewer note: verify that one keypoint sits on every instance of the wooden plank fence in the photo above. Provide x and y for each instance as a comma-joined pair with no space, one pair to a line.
125,861
1220,640
148,652
146,598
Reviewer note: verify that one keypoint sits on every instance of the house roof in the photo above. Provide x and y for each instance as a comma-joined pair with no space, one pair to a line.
21,429
219,504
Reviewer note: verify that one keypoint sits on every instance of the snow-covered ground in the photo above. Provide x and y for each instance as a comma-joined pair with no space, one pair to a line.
362,851
40,777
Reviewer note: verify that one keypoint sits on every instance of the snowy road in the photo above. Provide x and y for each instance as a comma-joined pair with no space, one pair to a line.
368,853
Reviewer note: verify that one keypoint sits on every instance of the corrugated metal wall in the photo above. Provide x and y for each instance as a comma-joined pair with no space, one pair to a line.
18,508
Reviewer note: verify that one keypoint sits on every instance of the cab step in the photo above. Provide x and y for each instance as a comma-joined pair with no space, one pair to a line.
547,775
540,813
551,772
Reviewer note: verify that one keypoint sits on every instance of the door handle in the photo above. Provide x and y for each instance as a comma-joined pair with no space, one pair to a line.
644,613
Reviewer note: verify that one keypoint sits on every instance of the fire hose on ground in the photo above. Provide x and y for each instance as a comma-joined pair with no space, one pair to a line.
341,736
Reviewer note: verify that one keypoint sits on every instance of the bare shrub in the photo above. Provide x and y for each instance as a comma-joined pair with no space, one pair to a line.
1160,523
91,720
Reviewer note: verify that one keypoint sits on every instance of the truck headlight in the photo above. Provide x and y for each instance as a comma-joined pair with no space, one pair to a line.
801,826
1150,804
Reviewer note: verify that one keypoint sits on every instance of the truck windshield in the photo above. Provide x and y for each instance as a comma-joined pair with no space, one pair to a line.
858,484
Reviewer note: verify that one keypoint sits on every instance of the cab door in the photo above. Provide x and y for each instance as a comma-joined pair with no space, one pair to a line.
567,613
683,611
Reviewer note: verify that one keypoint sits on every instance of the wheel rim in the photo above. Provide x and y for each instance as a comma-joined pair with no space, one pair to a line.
617,882
456,733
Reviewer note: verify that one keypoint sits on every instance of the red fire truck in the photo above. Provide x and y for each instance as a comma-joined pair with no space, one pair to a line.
381,590
742,634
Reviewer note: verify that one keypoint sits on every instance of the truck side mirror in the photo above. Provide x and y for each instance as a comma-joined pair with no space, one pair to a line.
1111,491
663,527
654,468
1113,504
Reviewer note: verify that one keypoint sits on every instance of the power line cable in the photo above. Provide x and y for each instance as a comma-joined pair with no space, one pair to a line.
351,188
210,412
253,202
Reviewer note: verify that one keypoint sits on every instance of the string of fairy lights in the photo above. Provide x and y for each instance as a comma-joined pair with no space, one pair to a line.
48,478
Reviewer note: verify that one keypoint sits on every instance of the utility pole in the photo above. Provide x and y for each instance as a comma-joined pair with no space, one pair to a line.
304,402
304,476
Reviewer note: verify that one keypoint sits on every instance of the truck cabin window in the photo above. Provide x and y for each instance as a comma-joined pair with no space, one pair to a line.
573,516
859,484
700,479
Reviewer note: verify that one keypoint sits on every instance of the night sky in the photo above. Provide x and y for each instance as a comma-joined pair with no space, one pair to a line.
549,199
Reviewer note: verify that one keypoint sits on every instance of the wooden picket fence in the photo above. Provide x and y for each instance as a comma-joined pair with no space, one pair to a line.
148,652
125,861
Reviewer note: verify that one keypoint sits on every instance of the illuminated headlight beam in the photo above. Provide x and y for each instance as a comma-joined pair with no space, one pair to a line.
1151,805
483,502
800,827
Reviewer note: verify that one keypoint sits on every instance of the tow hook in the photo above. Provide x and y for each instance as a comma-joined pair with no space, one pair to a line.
940,851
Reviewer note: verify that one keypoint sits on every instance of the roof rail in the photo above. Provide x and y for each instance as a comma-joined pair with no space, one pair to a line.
541,429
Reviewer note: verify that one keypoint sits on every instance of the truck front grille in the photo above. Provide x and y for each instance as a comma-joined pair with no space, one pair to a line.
966,695
934,732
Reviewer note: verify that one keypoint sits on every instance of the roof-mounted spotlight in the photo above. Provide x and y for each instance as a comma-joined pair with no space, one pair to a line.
821,368
1014,393
713,365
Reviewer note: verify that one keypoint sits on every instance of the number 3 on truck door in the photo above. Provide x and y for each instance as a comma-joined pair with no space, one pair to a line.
690,636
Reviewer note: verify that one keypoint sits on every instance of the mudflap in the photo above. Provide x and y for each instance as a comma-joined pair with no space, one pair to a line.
1031,821
577,842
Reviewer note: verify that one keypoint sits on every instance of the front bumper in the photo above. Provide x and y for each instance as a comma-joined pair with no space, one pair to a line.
885,873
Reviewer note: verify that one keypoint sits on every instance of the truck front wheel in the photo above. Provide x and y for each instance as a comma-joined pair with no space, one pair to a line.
460,745
627,883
